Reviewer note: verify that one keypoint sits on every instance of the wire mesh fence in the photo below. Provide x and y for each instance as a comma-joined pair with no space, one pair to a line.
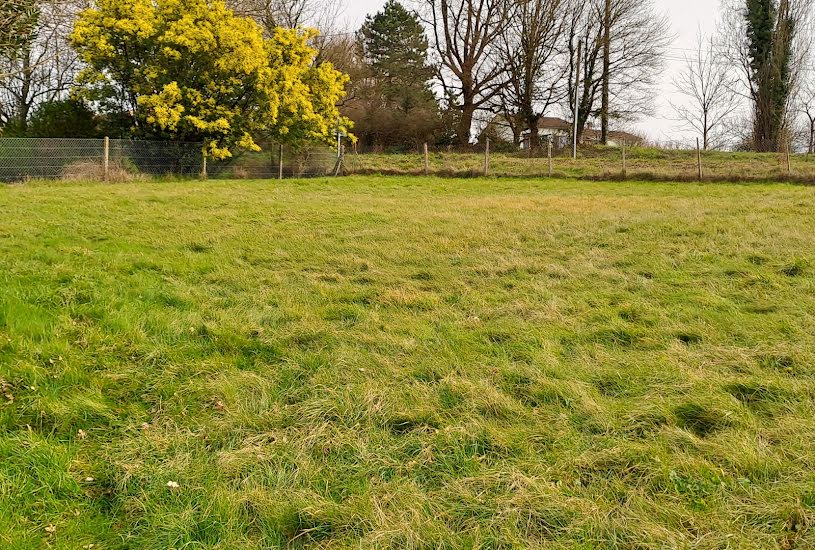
593,162
276,161
115,159
124,160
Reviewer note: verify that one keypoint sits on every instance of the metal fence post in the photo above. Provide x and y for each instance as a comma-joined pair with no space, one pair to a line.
106,158
338,166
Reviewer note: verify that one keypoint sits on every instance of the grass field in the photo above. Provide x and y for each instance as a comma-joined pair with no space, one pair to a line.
407,363
598,163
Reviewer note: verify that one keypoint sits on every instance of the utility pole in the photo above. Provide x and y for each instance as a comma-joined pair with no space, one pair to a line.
604,108
576,98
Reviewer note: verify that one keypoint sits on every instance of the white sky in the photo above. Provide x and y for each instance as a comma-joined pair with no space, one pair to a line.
686,17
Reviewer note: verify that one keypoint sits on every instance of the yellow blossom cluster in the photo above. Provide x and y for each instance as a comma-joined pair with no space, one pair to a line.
193,70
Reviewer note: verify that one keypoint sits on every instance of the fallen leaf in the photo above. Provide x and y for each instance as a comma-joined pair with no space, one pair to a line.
51,529
173,485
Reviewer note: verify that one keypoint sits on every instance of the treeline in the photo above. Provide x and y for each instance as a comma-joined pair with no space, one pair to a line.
443,72
500,66
449,70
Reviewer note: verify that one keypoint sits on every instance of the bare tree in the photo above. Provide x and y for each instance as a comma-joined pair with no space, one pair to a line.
466,36
291,14
806,106
43,68
709,87
322,15
636,38
532,54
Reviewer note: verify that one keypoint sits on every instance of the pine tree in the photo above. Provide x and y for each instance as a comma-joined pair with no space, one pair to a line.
394,105
394,46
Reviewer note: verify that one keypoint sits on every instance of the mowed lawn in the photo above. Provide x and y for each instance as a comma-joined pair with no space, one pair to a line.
407,363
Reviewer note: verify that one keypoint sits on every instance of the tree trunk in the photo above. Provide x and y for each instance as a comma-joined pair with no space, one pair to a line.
705,132
534,131
811,136
465,124
23,103
604,109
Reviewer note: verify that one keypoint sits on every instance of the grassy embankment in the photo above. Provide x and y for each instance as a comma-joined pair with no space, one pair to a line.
407,363
598,163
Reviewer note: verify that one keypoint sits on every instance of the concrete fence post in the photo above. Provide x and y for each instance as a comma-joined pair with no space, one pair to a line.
549,155
106,158
698,160
280,163
426,161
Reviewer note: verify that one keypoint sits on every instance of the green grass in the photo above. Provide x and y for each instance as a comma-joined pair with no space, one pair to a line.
407,363
598,163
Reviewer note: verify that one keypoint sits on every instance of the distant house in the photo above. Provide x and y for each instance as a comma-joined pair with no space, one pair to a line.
559,131
615,138
553,129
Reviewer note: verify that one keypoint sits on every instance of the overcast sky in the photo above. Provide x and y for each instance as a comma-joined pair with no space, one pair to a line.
686,17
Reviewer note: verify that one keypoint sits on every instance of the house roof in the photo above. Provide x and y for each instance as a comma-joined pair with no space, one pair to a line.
554,123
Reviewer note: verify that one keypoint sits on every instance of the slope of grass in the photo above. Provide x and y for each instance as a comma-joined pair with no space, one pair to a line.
407,363
597,163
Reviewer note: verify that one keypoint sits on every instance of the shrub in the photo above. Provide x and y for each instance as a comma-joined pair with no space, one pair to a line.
63,119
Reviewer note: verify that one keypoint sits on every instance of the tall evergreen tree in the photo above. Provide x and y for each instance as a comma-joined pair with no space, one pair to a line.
394,46
395,105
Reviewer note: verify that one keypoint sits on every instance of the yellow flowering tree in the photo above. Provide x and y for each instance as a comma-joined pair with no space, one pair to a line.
193,70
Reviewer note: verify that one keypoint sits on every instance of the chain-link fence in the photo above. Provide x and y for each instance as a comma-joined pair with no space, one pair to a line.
27,158
592,163
276,161
126,160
